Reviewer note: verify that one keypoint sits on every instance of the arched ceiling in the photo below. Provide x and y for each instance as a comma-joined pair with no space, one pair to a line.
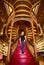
22,8
13,1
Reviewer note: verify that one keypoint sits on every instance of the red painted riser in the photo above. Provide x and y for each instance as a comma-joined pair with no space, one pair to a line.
22,59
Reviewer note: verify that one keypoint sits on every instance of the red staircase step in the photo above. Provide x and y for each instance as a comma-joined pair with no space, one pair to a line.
22,59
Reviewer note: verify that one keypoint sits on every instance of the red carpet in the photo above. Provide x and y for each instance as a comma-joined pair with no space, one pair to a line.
22,59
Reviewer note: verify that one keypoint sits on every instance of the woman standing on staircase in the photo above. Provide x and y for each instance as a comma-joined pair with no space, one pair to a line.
22,41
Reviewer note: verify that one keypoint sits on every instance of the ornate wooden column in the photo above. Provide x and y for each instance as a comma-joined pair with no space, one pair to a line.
10,43
34,41
34,20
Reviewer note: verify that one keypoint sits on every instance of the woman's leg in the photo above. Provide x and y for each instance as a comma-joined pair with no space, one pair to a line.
22,46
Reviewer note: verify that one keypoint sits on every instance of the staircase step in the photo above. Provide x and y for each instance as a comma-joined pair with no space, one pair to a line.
22,59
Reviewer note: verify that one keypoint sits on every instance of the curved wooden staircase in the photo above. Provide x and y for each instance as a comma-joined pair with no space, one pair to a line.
29,32
14,32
